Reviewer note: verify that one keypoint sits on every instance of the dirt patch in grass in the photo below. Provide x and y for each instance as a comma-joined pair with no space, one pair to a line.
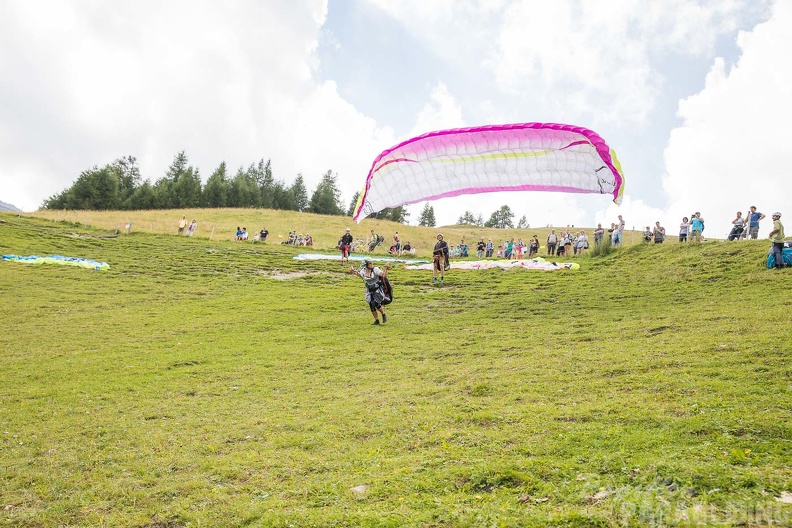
288,275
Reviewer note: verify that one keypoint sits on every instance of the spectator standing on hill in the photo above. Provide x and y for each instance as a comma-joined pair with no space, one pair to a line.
481,248
683,229
192,227
618,232
510,252
182,224
552,242
696,227
396,242
263,234
777,238
598,234
738,226
581,242
566,240
754,218
344,245
658,233
490,248
533,246
375,293
440,258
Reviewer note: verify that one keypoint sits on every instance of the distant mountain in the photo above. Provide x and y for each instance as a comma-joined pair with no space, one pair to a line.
8,208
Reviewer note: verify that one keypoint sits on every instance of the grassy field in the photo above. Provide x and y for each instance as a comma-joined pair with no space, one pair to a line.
221,224
210,383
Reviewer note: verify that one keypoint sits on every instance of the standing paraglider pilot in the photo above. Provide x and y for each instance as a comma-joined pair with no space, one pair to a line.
440,255
777,238
344,244
375,292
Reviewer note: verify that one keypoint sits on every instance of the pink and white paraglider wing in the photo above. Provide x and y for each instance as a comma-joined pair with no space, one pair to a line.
521,157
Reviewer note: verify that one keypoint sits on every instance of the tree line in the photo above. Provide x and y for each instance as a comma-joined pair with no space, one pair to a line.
119,186
503,218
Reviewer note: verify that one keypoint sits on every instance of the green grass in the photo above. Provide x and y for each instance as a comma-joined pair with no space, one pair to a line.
191,385
221,224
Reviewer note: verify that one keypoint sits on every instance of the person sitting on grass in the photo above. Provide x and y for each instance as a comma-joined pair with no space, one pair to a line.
647,234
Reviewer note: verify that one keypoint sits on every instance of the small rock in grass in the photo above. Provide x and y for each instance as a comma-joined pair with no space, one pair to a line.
360,489
527,498
602,494
785,497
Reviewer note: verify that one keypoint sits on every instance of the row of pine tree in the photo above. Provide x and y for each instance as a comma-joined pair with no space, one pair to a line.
119,186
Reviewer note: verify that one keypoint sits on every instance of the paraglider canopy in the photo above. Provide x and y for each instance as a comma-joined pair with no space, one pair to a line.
518,157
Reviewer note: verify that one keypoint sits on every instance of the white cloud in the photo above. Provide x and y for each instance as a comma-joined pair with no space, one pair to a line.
440,112
732,150
84,83
572,57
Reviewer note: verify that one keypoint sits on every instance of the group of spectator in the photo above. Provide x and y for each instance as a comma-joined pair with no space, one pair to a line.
566,243
396,248
746,227
296,239
191,227
692,228
569,243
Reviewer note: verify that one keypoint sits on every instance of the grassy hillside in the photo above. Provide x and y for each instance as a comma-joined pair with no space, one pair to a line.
211,383
221,224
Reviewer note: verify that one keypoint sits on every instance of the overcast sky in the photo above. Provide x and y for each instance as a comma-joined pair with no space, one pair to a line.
694,96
